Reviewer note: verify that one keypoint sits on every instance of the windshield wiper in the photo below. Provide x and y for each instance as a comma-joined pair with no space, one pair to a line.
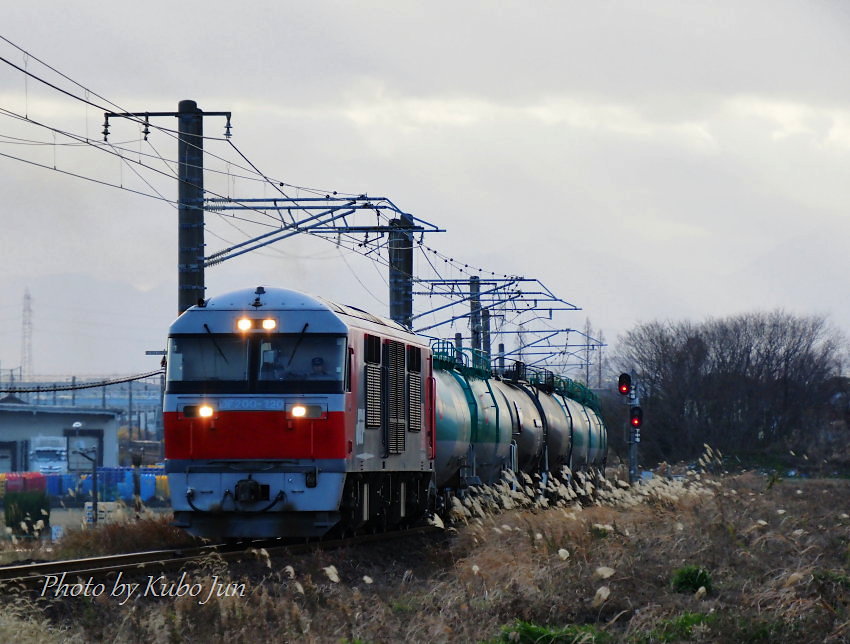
298,343
218,348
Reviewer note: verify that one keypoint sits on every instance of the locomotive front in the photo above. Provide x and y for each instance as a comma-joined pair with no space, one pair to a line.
256,428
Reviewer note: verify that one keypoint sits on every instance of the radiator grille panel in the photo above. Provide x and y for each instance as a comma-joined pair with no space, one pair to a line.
373,395
397,408
414,389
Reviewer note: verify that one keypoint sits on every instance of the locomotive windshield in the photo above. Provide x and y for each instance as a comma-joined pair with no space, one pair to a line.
235,363
297,357
208,357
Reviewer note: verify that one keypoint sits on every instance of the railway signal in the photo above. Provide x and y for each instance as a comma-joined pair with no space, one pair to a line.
624,384
625,387
636,417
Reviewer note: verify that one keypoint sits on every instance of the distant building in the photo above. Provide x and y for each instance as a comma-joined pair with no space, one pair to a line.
32,437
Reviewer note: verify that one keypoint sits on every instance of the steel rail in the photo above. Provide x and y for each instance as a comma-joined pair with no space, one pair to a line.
28,575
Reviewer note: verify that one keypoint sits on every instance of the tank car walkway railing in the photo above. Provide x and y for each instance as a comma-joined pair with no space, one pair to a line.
470,362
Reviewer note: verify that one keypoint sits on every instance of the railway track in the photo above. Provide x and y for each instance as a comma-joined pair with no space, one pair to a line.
35,574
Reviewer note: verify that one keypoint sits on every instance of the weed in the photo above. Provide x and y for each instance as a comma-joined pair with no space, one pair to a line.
678,628
833,578
772,479
528,633
689,579
755,631
600,531
401,607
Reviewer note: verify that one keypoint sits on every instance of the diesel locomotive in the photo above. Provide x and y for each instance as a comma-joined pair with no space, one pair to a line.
288,415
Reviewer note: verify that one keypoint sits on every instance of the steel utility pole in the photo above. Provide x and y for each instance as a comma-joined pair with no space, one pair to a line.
401,270
485,332
190,209
634,437
26,337
190,193
475,311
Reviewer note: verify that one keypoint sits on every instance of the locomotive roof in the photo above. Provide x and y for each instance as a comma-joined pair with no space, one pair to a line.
263,298
267,299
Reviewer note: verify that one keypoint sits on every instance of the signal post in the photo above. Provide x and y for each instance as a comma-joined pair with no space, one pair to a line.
627,388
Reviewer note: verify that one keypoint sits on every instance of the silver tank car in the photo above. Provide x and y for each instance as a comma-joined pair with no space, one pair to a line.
487,424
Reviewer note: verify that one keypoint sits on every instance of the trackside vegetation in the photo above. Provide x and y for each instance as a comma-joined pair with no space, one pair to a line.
697,558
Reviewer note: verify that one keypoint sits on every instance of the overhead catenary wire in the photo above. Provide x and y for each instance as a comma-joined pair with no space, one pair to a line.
118,108
101,147
12,140
88,141
356,244
81,176
108,151
75,387
349,242
86,101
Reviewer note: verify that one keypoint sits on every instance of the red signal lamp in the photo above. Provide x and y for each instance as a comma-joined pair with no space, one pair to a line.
624,384
636,417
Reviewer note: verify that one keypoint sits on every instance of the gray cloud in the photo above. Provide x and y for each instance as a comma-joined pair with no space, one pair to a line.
699,148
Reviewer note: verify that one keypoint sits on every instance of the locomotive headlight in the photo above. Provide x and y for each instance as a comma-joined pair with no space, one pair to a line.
269,324
244,324
304,410
204,410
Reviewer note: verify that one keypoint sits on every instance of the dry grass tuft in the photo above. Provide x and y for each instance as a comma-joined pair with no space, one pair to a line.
22,622
150,532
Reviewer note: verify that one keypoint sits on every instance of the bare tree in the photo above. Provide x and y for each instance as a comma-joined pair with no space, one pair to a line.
744,383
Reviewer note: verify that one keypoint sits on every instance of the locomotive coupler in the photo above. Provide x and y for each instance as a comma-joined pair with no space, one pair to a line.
248,491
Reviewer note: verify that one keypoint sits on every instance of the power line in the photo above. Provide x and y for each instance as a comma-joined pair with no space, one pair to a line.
34,76
14,140
366,248
80,176
170,131
102,148
87,141
89,385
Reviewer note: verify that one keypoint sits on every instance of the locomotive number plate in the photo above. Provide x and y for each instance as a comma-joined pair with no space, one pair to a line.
251,404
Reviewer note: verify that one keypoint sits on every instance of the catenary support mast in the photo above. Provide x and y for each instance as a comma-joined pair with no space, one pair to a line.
401,270
190,209
190,192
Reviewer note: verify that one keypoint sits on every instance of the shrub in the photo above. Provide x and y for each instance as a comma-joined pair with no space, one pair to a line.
688,579
151,533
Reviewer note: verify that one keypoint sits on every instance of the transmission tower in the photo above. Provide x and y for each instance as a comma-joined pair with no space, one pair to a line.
26,338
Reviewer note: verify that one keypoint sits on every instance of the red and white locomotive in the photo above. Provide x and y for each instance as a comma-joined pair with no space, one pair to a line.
286,415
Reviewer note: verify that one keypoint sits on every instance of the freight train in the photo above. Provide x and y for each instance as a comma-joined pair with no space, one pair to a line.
288,415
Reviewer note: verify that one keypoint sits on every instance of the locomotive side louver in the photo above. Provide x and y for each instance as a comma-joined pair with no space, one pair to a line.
397,408
414,389
373,395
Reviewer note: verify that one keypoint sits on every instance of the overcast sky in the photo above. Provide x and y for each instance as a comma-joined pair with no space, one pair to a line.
645,160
